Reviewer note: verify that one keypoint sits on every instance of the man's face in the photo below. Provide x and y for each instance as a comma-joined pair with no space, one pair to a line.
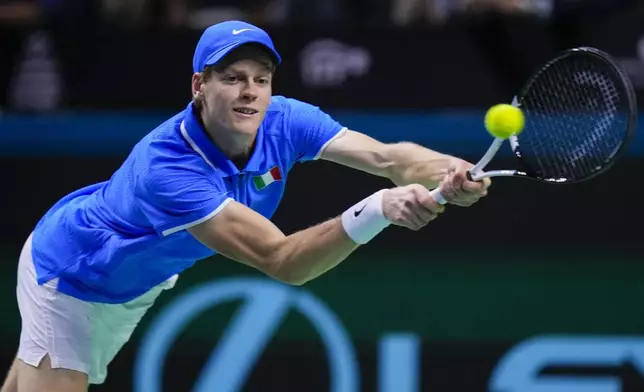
236,98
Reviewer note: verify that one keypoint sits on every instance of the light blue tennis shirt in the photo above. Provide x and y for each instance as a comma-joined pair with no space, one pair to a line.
113,241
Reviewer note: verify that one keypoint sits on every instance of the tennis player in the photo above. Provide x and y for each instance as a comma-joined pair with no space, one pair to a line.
205,181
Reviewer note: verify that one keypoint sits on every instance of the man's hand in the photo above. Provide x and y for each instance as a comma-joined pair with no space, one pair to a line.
460,191
411,206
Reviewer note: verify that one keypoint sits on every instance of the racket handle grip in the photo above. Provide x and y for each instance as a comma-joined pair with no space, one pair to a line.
436,194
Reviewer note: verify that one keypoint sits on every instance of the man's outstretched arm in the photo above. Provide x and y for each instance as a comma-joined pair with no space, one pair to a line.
406,163
244,235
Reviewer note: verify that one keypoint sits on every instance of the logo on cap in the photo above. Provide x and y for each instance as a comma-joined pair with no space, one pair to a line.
235,31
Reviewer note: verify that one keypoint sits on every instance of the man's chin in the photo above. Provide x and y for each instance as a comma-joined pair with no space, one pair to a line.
247,128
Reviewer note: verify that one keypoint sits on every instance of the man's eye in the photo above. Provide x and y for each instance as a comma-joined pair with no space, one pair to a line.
230,79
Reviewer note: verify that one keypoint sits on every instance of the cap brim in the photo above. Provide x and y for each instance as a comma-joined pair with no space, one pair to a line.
217,56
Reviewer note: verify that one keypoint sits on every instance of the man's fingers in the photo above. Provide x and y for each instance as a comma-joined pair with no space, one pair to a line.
420,215
420,209
458,180
474,187
425,199
457,189
415,220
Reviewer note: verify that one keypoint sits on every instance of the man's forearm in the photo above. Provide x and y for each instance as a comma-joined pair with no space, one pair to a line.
309,253
410,163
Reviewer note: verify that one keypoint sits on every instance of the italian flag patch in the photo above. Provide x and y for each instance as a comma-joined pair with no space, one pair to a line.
267,178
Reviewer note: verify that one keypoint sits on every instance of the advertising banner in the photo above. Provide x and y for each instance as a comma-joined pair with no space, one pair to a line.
473,321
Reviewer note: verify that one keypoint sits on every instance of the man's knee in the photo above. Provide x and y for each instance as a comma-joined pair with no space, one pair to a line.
43,377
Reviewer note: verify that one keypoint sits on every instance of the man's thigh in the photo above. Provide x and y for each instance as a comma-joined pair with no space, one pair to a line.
11,381
44,378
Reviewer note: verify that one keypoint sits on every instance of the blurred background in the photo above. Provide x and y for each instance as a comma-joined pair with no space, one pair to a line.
537,288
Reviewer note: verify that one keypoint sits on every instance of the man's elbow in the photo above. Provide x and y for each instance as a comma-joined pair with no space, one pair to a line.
290,276
293,281
280,269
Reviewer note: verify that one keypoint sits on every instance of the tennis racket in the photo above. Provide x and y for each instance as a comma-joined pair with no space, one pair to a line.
580,112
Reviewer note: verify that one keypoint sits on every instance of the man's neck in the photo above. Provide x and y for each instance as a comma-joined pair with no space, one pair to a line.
238,150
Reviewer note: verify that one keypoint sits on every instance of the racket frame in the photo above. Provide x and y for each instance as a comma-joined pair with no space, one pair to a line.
477,173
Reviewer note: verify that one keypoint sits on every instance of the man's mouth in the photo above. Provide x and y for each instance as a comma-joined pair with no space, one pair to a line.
247,111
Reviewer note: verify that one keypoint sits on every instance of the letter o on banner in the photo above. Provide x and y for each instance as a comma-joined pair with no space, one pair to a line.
266,303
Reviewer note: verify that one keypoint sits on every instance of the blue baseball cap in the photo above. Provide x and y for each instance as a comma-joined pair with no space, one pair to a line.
220,39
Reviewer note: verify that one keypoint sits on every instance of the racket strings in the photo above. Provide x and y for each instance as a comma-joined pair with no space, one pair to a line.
573,144
570,144
575,119
604,115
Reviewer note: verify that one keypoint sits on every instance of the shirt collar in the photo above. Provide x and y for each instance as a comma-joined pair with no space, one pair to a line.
198,139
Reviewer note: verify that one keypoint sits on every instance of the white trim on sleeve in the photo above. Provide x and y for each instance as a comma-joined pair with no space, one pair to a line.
196,222
337,135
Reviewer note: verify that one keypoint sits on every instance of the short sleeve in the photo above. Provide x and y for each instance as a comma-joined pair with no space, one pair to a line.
311,129
175,198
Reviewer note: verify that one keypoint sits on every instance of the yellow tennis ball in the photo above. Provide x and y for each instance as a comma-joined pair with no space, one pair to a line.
504,120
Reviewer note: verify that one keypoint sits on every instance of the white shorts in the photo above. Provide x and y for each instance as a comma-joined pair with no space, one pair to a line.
77,335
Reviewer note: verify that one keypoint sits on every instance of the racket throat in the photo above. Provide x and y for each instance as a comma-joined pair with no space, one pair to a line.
494,173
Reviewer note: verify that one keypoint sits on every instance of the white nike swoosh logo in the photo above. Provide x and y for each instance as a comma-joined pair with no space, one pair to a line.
235,32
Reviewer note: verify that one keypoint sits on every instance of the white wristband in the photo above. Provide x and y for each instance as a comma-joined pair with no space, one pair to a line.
365,220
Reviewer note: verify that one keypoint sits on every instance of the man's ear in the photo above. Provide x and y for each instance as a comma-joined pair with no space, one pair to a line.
197,84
